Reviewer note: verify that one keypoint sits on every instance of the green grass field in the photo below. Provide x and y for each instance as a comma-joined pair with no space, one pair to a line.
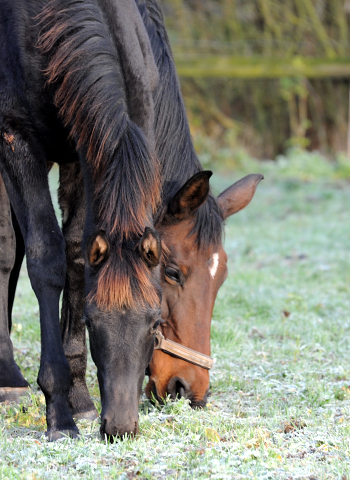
280,402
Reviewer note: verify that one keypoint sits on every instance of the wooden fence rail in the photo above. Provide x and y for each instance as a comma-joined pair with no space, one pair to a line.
260,67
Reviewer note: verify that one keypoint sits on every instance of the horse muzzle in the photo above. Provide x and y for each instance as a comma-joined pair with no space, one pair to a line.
124,425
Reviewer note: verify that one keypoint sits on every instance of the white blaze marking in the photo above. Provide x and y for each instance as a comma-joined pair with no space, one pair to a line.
214,265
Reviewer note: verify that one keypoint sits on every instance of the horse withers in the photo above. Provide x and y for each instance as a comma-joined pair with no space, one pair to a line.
76,80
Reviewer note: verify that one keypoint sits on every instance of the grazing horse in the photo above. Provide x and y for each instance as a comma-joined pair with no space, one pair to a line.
190,221
76,80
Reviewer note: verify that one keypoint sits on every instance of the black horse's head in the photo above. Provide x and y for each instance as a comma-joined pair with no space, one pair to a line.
122,313
102,70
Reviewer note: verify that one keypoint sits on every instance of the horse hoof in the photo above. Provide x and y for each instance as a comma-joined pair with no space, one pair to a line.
57,434
90,415
8,394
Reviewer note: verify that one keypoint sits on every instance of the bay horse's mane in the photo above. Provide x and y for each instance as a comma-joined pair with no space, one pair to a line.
173,138
85,71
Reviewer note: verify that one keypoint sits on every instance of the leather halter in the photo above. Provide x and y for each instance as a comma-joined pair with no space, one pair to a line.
179,351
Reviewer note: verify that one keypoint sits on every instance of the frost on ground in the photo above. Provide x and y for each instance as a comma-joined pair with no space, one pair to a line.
280,388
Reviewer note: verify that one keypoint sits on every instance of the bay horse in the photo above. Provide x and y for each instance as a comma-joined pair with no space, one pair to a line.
190,222
76,80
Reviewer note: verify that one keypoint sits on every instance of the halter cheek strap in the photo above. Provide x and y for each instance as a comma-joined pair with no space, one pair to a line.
179,351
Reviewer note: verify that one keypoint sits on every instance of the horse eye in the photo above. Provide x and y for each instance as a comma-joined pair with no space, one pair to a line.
155,326
172,276
88,323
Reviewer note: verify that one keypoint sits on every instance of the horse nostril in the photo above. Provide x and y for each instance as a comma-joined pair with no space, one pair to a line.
180,389
103,429
177,388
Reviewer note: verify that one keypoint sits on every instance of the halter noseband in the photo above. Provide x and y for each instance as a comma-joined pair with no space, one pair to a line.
179,351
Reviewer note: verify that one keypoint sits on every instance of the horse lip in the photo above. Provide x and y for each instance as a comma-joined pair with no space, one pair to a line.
199,403
117,432
178,387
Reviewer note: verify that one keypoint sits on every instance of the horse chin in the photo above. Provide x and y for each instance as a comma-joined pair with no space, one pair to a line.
119,433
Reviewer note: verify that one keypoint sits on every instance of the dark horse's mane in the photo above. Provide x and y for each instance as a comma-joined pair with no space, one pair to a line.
173,138
84,68
85,65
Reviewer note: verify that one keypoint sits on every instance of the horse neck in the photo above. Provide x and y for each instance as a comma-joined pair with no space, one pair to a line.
174,147
177,157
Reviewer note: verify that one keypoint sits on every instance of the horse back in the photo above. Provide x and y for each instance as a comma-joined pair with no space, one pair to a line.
26,105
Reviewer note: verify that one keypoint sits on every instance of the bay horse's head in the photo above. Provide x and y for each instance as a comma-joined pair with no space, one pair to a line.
122,313
192,273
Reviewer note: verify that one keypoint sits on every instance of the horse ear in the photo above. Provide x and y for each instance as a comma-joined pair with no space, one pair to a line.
191,196
236,197
150,247
98,249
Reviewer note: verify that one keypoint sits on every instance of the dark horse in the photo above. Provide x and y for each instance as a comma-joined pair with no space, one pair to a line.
76,80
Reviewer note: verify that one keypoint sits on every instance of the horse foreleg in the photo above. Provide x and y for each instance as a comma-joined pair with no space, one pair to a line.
24,172
20,252
71,198
12,383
